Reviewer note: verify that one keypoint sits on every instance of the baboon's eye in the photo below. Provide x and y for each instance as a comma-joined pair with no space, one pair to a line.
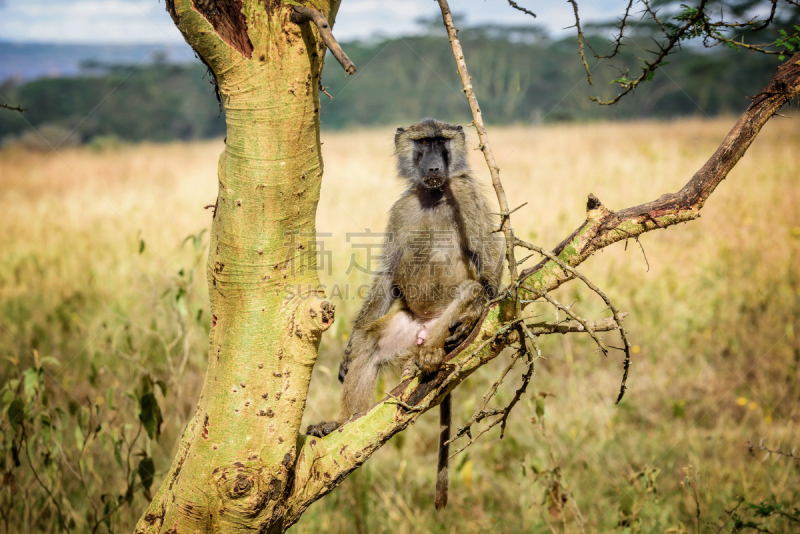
423,141
441,141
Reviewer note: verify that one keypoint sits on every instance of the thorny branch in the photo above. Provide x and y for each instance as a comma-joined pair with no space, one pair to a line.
511,243
13,108
504,412
752,447
520,8
564,327
477,121
617,316
307,13
693,21
664,50
580,40
623,23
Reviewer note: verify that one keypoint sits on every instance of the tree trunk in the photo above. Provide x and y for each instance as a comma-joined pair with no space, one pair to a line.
232,470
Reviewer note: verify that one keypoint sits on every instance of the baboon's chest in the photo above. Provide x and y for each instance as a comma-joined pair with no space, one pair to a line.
436,262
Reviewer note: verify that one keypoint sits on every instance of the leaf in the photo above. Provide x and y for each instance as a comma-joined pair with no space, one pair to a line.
163,385
118,452
30,381
110,397
150,415
147,469
79,439
539,406
50,360
536,466
180,301
46,426
142,245
93,373
198,240
15,413
626,504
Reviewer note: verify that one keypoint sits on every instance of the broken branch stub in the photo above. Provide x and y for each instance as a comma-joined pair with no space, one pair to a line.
305,14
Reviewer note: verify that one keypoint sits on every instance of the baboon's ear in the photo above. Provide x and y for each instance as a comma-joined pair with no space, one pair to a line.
401,130
459,127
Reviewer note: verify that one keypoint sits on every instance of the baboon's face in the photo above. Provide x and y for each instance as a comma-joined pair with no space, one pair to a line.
430,154
432,158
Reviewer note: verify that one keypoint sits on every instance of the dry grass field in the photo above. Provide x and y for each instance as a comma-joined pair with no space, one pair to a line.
99,285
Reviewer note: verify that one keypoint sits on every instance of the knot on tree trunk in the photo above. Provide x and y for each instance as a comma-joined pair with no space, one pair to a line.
245,492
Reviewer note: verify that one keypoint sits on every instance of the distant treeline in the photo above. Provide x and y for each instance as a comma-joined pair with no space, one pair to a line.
519,75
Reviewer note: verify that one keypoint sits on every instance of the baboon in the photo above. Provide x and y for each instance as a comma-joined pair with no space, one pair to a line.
441,262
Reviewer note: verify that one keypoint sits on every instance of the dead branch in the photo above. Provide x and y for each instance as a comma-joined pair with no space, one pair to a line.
752,447
477,121
511,241
580,40
307,13
574,317
603,227
616,317
674,40
503,413
567,327
12,108
520,8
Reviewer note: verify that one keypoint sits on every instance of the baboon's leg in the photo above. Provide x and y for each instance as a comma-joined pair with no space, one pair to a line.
384,342
388,340
459,316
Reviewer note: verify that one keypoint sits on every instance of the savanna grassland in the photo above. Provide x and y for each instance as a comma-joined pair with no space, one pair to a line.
104,322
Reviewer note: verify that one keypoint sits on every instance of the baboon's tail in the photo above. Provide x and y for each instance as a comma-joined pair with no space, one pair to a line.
442,475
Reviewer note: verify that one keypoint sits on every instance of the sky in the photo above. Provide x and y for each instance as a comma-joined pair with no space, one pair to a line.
146,21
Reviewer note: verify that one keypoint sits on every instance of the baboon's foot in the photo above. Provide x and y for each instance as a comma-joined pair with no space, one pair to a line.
322,429
429,359
462,326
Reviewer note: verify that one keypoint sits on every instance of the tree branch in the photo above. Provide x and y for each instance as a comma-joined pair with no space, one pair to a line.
306,13
12,108
520,8
603,227
494,170
566,327
581,37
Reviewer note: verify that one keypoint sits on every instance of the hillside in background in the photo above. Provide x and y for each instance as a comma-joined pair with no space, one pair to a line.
520,76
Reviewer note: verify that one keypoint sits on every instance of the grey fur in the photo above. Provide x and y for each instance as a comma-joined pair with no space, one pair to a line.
442,260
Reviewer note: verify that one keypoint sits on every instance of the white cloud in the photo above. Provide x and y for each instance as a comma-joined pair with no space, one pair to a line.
146,21
87,21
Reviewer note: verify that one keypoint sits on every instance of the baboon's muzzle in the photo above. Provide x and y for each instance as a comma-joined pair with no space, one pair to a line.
434,181
433,168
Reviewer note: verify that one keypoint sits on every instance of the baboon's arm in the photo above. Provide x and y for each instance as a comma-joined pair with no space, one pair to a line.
382,292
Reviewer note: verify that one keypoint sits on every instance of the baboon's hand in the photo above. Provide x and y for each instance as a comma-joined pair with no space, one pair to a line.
461,327
429,359
344,365
322,429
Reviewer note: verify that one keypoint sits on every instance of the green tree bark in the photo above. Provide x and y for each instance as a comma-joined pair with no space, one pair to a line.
232,470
